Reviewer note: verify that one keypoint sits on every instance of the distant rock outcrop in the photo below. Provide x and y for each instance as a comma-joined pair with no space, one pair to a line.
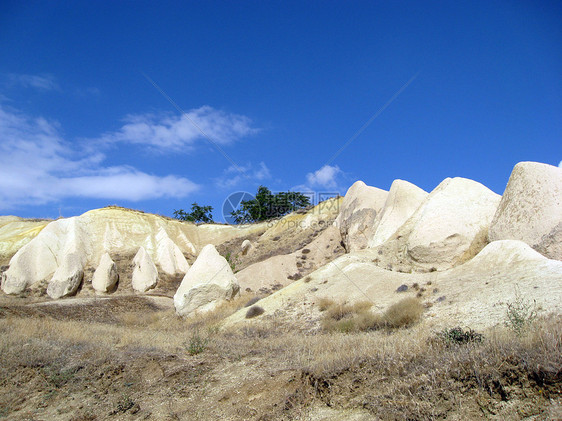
145,274
448,228
531,209
105,276
358,212
209,281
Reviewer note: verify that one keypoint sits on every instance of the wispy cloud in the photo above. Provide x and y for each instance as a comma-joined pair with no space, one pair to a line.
177,133
38,166
233,177
325,177
41,82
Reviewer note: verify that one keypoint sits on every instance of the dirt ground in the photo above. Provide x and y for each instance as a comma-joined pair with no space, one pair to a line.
131,357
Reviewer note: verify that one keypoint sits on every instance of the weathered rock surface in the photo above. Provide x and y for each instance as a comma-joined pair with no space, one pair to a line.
105,277
145,274
279,271
531,209
209,281
358,212
403,200
114,230
67,278
448,228
56,255
470,295
17,232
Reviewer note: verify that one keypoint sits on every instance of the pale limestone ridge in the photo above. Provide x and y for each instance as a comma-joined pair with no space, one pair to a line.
16,232
531,209
208,281
46,258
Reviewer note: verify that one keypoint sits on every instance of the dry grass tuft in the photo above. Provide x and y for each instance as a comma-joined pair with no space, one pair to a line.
404,313
346,318
254,311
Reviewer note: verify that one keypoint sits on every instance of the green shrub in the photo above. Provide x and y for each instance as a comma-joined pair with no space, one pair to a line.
457,335
197,344
520,313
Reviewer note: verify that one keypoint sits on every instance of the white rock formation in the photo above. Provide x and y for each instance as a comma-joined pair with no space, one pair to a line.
33,263
471,295
531,209
42,249
403,200
208,281
57,255
448,228
358,212
68,276
145,274
245,247
169,256
105,276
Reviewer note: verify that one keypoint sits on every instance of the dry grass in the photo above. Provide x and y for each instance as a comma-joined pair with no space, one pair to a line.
357,317
148,362
404,313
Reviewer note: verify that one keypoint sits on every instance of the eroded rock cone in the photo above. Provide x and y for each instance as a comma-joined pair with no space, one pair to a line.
209,281
105,277
145,274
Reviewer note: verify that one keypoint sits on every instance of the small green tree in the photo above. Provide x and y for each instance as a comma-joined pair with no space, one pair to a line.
197,214
267,205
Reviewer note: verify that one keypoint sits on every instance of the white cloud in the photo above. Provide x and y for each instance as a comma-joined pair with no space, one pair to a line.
41,82
37,166
178,133
325,177
560,165
234,175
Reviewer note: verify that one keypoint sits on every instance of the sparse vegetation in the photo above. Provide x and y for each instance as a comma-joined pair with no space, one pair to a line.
254,311
114,367
457,335
197,343
346,318
520,313
404,313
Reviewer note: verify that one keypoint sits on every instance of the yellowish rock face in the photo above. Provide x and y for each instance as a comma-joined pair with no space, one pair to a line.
17,232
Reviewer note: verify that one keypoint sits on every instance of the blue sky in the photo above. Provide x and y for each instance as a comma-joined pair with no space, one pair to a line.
455,88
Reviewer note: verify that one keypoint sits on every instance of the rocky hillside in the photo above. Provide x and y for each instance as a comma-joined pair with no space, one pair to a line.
461,249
